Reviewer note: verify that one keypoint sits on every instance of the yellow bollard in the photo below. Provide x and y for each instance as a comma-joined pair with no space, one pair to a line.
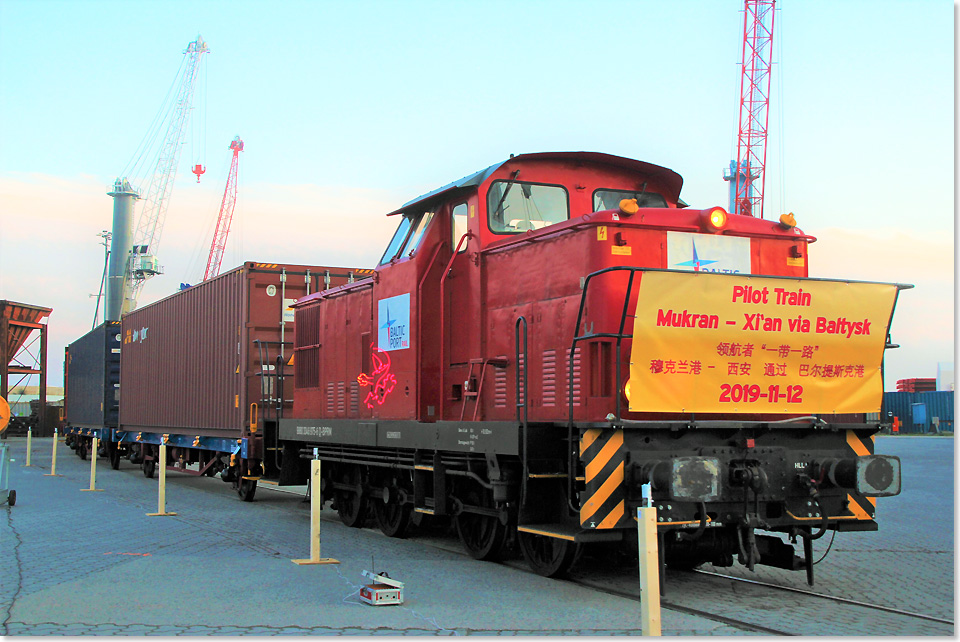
29,445
316,505
162,498
93,469
53,468
649,570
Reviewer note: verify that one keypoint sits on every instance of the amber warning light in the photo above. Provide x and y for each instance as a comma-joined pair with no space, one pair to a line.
713,220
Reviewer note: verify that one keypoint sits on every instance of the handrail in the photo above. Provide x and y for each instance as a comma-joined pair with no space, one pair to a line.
619,336
524,405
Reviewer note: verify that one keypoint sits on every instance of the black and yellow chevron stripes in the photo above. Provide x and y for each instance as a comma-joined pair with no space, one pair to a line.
858,506
603,501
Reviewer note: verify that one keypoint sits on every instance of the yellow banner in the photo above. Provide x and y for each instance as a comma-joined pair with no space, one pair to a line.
719,343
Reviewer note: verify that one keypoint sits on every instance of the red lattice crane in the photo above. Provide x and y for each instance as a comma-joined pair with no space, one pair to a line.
747,176
226,214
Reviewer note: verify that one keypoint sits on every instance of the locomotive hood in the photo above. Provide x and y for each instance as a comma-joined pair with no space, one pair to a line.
672,181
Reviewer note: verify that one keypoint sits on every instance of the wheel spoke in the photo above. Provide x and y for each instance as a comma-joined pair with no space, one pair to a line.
482,535
548,556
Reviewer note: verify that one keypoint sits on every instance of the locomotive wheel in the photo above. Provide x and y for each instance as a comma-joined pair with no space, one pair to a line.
391,512
247,488
392,518
481,535
548,556
351,506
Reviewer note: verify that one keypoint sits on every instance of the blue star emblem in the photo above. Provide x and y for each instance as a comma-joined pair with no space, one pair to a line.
697,262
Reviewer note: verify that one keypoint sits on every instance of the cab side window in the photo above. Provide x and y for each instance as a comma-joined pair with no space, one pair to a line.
459,225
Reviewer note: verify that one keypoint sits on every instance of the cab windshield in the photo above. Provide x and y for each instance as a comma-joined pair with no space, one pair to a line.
407,238
609,199
515,207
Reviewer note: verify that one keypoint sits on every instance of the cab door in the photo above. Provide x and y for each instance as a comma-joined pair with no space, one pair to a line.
462,294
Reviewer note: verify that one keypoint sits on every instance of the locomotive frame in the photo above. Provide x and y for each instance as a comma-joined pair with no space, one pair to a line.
555,474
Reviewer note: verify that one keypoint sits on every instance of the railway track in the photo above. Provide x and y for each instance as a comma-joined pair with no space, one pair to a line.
751,606
831,598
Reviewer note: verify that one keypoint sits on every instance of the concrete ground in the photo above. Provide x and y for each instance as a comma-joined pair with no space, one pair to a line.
94,563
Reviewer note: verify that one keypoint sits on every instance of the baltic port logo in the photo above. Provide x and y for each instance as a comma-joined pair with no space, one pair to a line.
393,328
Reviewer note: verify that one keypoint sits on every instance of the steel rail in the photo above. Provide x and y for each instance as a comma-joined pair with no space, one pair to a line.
833,598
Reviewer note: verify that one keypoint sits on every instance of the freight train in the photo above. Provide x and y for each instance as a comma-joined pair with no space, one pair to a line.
545,346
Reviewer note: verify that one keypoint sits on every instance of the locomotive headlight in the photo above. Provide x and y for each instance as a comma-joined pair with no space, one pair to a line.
695,479
629,207
713,219
788,221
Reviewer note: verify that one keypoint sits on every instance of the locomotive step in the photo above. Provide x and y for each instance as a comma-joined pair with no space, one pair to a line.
571,533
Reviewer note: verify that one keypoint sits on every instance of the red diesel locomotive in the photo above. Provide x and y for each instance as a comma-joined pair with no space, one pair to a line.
558,339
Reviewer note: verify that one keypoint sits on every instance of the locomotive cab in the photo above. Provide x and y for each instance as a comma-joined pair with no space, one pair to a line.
547,341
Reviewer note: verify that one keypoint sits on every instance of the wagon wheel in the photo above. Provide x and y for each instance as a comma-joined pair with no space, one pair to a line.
246,489
548,556
391,512
114,456
351,506
481,535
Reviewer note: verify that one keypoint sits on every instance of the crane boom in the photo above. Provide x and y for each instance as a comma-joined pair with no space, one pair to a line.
748,176
143,263
226,214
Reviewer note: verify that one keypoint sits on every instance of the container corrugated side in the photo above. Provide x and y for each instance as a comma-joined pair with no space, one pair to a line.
190,364
939,404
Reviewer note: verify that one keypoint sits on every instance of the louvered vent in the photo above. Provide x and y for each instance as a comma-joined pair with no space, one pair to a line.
549,379
331,399
577,393
354,399
500,388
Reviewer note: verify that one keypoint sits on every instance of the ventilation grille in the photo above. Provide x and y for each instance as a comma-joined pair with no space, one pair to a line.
307,368
307,326
354,399
549,379
577,394
499,388
331,399
500,385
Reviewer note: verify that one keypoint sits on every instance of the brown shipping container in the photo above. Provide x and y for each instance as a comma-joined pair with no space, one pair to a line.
190,362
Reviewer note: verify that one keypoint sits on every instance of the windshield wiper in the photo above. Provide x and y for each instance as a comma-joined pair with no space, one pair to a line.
498,210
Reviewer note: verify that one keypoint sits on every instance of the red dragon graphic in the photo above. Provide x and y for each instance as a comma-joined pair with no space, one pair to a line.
381,379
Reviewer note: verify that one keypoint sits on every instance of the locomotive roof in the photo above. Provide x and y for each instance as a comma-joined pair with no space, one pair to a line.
672,182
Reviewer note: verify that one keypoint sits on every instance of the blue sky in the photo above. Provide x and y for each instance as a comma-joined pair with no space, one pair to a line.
347,110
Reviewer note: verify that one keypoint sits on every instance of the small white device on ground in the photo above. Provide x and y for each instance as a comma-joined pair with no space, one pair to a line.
385,590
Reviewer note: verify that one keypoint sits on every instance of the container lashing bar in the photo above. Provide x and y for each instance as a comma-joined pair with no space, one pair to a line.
272,388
